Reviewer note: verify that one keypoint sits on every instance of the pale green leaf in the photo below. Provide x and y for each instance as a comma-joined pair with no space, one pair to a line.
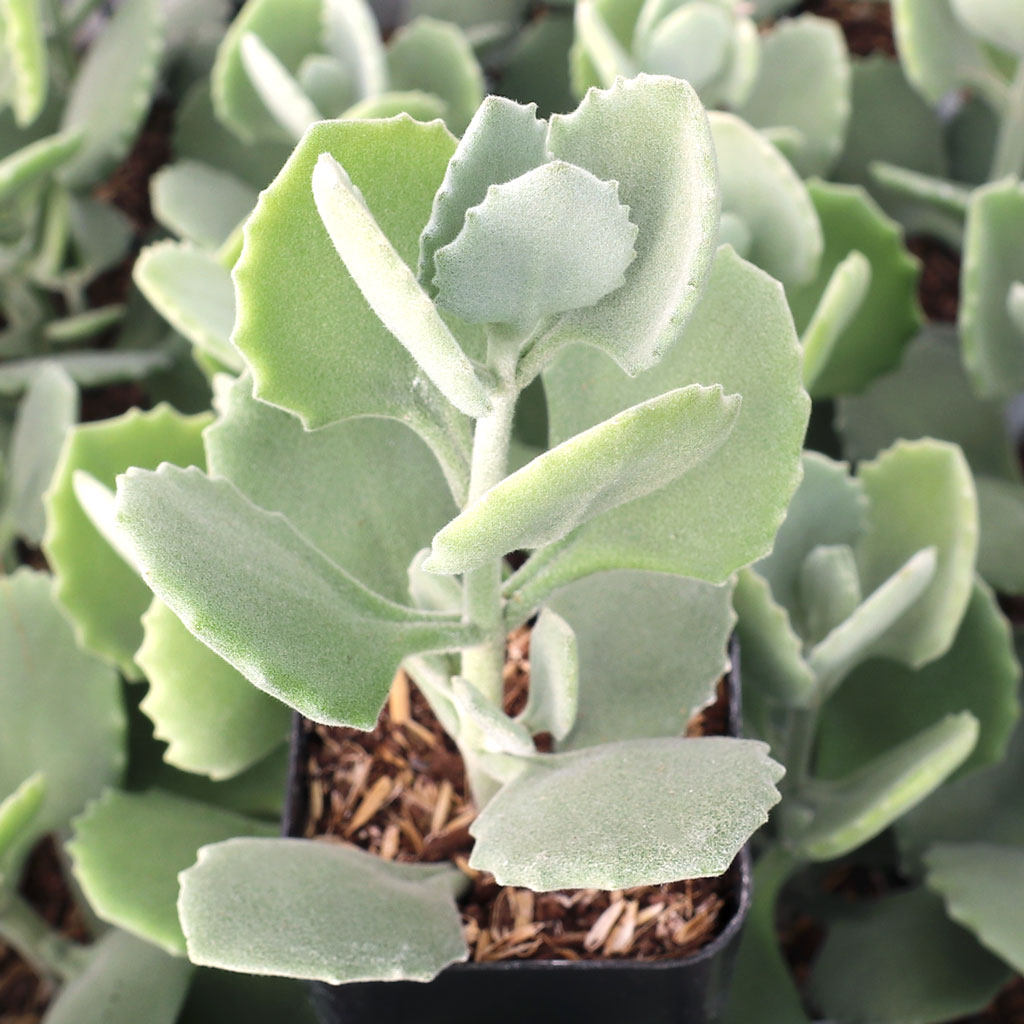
636,812
900,959
292,30
888,315
693,42
18,810
192,291
552,240
536,65
100,592
848,812
993,343
829,589
982,886
24,37
883,703
937,53
88,369
921,494
652,648
391,290
650,135
351,34
433,593
113,89
1000,553
605,53
929,396
200,203
303,324
329,82
61,710
68,330
126,981
998,22
194,539
45,414
503,141
321,910
761,188
436,57
552,703
420,106
213,719
493,730
290,107
684,528
128,848
98,501
1015,304
32,162
636,452
796,52
323,481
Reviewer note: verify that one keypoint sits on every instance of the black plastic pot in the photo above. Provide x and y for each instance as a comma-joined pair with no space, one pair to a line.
690,990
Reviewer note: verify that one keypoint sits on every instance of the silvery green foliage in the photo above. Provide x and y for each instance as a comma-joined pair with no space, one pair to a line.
717,46
372,306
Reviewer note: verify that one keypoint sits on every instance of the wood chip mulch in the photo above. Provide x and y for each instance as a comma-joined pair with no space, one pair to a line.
400,793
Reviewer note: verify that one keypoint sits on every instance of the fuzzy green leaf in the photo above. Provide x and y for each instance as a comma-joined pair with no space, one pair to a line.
213,720
330,491
498,734
89,369
900,958
503,141
18,811
351,34
652,648
761,188
682,528
552,704
200,203
993,343
194,539
650,135
436,57
128,848
829,589
29,163
552,240
920,493
100,592
983,888
322,910
635,812
24,36
61,710
998,22
636,452
112,90
694,42
607,57
888,316
1001,512
850,811
192,291
392,292
289,106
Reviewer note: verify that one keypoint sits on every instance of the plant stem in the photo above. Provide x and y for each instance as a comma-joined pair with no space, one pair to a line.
49,953
801,732
1009,154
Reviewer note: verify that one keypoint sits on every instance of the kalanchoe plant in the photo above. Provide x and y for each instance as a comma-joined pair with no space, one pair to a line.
391,279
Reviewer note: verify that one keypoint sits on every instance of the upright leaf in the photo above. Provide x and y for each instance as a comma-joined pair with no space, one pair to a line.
24,36
553,701
200,203
351,34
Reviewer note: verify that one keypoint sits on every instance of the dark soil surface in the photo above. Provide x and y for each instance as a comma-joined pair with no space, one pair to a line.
939,290
866,25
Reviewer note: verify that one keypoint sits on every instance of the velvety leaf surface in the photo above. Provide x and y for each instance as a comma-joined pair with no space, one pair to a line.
351,34
128,848
635,812
652,648
18,810
650,135
192,291
884,703
760,186
998,22
624,458
127,981
368,515
213,719
993,343
888,317
319,910
799,51
277,88
200,203
61,709
88,369
292,622
25,45
684,528
303,325
850,811
899,958
113,89
34,160
1001,511
101,593
554,695
928,395
921,494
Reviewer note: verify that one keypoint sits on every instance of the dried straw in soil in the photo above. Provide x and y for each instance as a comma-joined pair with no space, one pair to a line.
400,792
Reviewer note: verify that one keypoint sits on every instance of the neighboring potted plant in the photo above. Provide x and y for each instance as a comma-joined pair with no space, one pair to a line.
676,431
